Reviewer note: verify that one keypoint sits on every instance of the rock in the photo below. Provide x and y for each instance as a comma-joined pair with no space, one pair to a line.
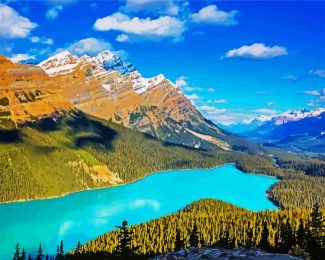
224,254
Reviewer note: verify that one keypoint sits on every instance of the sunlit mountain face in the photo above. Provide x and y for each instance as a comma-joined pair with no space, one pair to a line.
234,60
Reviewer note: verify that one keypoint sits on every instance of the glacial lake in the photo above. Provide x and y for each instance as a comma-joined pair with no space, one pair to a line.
85,215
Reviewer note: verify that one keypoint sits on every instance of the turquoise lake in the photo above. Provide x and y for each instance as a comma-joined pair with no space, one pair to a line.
85,215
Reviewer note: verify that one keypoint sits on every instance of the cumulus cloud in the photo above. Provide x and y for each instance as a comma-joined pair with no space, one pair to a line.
212,110
13,25
22,57
256,51
270,104
223,119
291,77
211,90
91,46
145,28
265,111
122,38
212,15
193,97
218,101
53,12
183,84
42,40
312,92
318,73
161,7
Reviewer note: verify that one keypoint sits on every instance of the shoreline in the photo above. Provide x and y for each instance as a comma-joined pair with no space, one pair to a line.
130,182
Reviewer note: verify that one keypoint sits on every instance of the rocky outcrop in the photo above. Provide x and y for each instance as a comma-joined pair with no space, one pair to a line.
224,254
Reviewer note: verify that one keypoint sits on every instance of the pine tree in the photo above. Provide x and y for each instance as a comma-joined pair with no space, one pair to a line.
301,235
124,247
39,253
264,243
179,243
29,257
194,238
17,252
78,248
317,233
61,249
23,254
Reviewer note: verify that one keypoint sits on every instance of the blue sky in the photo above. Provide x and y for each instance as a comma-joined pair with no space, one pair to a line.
235,60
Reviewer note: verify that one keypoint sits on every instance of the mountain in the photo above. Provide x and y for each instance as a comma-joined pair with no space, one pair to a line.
26,92
107,87
295,130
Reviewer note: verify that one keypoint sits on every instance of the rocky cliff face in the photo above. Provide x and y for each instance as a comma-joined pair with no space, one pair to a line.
225,254
110,88
27,93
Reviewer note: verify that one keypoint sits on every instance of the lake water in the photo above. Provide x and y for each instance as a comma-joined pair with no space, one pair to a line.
85,215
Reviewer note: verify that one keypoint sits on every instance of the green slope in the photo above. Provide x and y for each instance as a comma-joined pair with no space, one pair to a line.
51,157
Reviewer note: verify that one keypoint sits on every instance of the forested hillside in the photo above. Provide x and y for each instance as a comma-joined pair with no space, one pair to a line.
59,155
212,222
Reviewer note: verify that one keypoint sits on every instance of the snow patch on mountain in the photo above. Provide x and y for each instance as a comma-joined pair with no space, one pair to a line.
105,62
64,63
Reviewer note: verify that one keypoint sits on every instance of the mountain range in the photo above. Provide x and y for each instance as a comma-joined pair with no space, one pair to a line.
297,130
109,88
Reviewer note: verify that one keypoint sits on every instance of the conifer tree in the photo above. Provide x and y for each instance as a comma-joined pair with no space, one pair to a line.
301,235
194,237
179,243
317,233
39,253
17,252
23,254
264,243
124,247
78,248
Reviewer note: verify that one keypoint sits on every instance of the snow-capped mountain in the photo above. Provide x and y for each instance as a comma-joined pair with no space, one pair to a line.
109,88
64,63
296,130
105,62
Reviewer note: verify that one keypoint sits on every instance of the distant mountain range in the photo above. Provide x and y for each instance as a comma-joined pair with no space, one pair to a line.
295,130
107,87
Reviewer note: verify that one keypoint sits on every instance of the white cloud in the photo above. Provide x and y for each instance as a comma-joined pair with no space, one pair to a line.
53,12
183,84
42,40
212,110
256,51
48,41
13,25
161,7
91,46
193,97
22,57
312,92
265,111
35,39
122,38
146,28
211,90
318,73
291,77
270,104
223,119
212,15
218,101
